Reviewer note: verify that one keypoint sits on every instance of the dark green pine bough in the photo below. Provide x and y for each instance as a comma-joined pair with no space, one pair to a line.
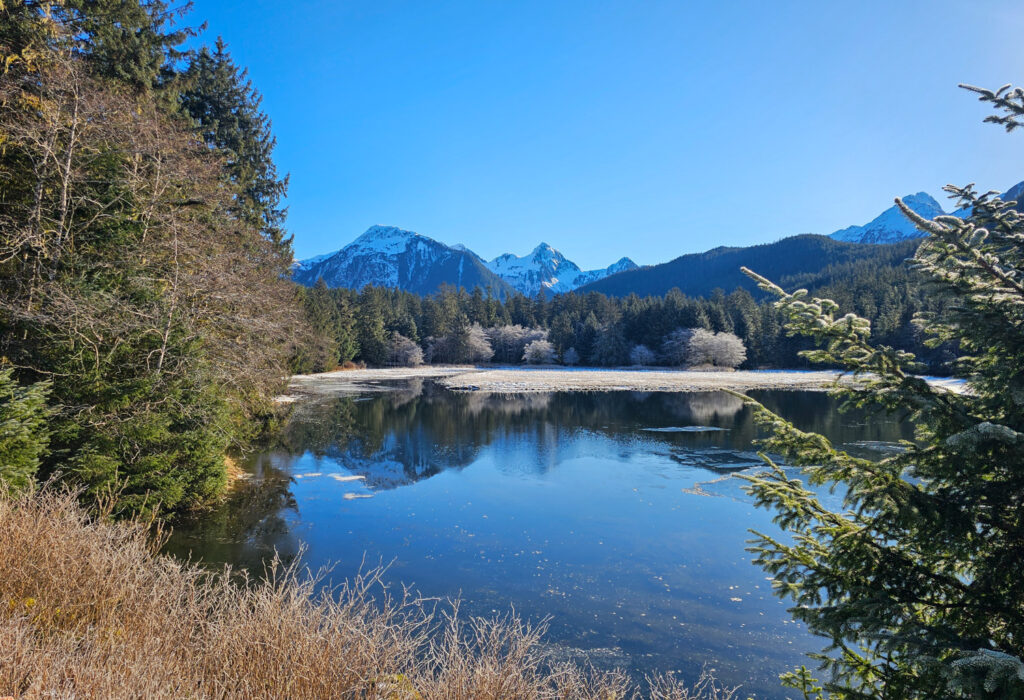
918,582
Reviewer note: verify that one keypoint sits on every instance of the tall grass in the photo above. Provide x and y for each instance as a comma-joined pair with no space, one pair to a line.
88,609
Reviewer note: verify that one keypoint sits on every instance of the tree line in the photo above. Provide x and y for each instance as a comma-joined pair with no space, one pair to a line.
381,326
146,320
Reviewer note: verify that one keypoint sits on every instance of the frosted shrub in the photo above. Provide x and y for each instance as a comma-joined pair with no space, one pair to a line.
715,349
641,355
539,352
466,344
699,347
676,346
403,352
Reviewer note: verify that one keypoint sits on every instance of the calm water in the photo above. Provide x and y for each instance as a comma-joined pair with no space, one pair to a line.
616,514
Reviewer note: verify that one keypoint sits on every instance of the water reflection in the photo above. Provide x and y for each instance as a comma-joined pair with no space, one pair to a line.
593,508
417,431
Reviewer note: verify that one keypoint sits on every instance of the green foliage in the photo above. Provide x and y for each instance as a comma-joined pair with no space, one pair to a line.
602,328
226,105
127,41
130,279
24,436
916,582
806,260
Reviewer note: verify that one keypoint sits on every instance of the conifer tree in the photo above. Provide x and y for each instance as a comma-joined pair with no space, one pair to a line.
24,435
159,318
132,42
348,343
220,97
917,582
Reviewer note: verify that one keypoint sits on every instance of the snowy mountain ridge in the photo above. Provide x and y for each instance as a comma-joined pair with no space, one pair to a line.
545,268
388,256
891,225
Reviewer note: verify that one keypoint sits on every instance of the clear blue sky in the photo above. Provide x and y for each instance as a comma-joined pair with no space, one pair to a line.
647,129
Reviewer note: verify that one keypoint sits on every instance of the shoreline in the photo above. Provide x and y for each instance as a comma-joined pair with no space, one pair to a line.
526,380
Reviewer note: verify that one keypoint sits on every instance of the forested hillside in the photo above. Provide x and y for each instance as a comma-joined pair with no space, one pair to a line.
142,251
805,260
596,329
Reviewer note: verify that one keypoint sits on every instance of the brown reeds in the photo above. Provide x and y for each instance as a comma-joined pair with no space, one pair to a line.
88,609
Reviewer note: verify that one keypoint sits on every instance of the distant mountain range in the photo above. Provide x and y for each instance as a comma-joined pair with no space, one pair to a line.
387,256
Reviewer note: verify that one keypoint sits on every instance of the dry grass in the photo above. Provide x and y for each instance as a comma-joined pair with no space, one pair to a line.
89,610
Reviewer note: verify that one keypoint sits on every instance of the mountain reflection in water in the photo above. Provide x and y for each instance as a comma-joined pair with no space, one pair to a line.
612,512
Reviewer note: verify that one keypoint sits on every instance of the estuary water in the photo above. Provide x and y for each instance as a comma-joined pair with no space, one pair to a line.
618,515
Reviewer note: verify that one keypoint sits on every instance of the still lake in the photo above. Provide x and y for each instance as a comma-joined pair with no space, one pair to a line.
616,514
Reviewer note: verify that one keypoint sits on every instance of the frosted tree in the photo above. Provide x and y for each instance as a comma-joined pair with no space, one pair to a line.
465,344
509,342
403,352
570,357
714,349
729,350
917,581
642,355
539,352
478,348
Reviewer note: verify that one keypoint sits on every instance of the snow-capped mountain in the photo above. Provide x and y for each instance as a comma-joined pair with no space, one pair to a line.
547,269
387,256
891,225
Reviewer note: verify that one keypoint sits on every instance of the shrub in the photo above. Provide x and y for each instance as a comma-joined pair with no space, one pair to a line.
676,347
403,352
641,355
465,344
539,352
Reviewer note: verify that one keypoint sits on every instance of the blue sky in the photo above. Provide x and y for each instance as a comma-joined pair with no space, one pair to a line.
647,129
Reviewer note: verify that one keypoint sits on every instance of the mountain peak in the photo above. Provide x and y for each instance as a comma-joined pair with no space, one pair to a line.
922,199
621,265
378,232
389,256
891,225
546,252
